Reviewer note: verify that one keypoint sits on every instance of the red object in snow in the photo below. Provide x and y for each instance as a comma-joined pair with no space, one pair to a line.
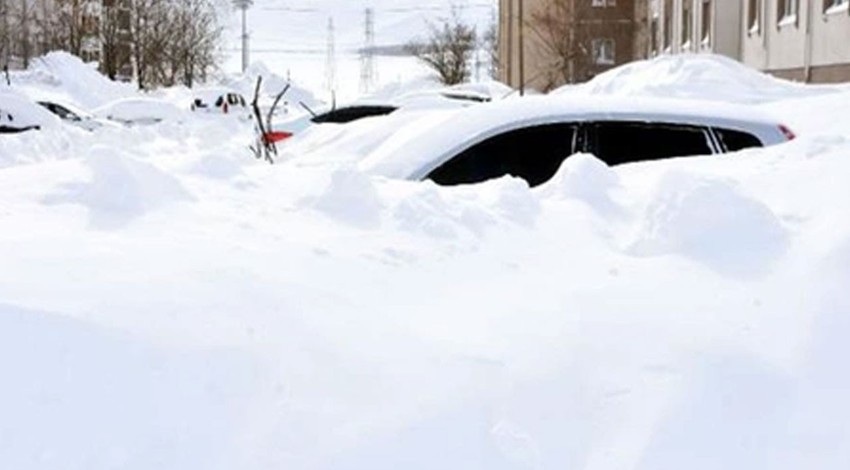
275,136
788,133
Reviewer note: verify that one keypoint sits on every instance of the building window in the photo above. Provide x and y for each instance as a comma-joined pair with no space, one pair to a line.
707,20
787,12
687,21
754,16
653,37
603,51
834,6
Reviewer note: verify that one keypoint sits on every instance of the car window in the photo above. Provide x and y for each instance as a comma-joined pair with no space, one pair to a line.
58,110
617,142
533,154
352,113
734,140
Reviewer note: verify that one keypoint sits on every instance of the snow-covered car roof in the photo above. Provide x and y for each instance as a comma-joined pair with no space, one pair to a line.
140,111
419,149
18,111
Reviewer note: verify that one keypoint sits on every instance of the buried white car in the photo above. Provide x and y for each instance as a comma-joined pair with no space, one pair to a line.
19,114
530,137
74,116
140,111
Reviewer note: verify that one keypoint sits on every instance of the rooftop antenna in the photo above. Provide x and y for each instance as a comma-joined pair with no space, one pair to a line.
244,5
367,55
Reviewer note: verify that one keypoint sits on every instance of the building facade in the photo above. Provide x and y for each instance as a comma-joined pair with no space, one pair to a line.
95,30
804,40
546,43
692,26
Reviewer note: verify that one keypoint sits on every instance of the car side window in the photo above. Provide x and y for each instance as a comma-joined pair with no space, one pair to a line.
533,154
734,140
617,142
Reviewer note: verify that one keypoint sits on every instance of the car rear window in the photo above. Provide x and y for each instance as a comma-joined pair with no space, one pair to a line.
533,154
352,113
618,142
734,140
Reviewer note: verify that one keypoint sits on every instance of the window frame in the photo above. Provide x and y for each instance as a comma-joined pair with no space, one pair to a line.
589,137
833,7
596,44
787,13
754,17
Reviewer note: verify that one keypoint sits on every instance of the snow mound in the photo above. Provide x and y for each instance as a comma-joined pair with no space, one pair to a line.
349,197
121,189
586,178
67,76
140,111
699,76
713,222
273,84
80,376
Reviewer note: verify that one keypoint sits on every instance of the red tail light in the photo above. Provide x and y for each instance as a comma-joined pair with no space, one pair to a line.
276,136
788,133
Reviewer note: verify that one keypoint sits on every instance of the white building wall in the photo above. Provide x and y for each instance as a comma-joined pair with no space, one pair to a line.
831,36
725,23
813,46
726,34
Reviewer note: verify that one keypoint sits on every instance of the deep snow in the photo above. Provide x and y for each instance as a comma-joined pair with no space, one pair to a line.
167,301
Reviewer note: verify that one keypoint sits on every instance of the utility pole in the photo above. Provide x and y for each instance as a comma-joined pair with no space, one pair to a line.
244,5
367,56
330,61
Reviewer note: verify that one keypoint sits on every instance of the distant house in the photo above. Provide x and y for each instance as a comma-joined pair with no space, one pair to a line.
546,43
95,30
106,36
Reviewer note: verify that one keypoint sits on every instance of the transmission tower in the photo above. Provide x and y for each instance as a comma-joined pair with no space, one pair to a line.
244,5
330,61
367,55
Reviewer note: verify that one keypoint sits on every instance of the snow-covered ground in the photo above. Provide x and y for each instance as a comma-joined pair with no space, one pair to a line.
169,302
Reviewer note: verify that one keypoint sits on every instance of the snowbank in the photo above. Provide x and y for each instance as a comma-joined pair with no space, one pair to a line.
273,84
64,77
698,76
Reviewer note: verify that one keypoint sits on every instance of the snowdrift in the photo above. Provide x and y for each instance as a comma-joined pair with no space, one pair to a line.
705,76
167,301
62,76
